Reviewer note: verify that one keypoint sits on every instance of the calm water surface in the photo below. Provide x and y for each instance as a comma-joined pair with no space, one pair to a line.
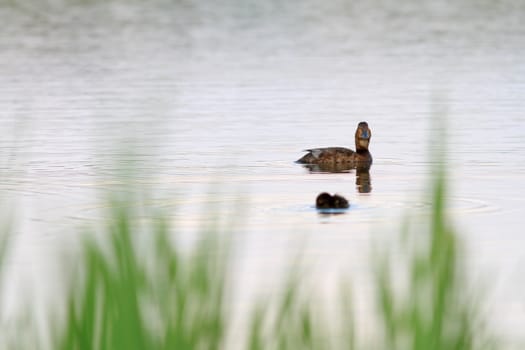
219,99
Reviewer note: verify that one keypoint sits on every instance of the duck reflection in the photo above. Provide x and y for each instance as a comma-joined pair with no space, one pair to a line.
362,173
362,180
329,168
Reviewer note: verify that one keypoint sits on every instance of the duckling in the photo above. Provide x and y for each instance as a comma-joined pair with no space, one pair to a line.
327,201
341,155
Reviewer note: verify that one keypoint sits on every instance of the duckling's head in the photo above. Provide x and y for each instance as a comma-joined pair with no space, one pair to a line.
323,201
362,137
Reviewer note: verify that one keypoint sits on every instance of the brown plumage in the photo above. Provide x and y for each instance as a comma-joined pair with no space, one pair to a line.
341,155
327,201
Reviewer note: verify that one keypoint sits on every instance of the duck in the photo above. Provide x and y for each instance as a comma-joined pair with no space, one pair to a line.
327,201
341,155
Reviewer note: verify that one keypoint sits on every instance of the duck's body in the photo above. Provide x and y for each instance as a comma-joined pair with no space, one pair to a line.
327,201
335,155
340,155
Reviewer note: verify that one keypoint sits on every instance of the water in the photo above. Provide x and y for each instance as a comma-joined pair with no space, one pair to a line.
219,99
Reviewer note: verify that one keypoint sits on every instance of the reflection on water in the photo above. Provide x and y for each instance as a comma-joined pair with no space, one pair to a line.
330,212
330,167
362,173
362,180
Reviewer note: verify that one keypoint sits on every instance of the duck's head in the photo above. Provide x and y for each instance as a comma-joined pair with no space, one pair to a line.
362,136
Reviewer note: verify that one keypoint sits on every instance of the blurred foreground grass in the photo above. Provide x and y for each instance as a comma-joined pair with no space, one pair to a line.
156,299
135,289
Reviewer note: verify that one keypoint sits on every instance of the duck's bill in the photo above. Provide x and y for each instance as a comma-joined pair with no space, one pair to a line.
364,134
